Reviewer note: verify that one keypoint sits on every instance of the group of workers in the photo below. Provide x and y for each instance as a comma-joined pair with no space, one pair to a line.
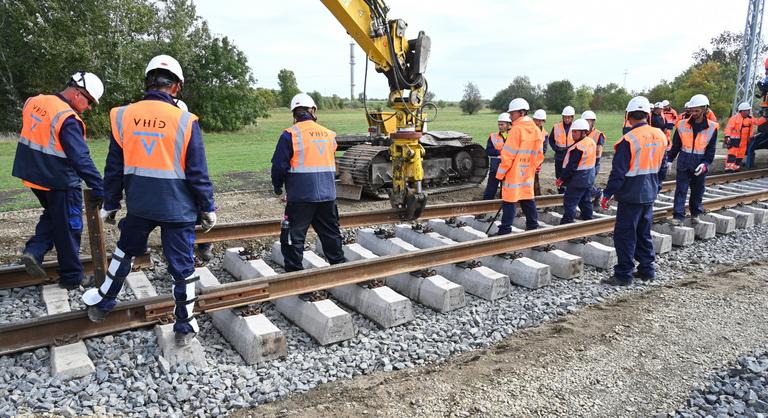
654,136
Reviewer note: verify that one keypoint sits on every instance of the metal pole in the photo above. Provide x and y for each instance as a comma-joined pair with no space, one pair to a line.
351,71
95,236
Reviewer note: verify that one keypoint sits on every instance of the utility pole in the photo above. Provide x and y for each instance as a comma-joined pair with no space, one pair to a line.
626,72
750,51
351,71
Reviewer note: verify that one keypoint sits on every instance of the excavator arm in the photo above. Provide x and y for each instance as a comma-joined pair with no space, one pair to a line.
403,62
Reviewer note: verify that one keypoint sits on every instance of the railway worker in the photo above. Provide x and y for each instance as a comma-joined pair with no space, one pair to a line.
740,128
493,150
599,138
670,115
560,140
637,171
304,162
52,159
522,153
578,173
694,142
156,154
539,117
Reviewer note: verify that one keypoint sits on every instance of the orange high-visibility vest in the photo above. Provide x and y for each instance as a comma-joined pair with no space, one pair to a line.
646,145
314,148
711,115
595,135
154,136
521,154
588,147
497,140
742,128
696,145
670,116
561,139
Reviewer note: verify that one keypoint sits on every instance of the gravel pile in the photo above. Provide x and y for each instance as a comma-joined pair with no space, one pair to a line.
132,380
741,390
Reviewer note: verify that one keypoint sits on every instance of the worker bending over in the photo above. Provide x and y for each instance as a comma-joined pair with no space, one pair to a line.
304,162
156,154
493,150
694,142
560,140
578,174
637,171
521,155
52,159
539,117
740,128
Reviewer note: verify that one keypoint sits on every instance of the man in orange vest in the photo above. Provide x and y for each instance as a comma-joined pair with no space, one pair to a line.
578,173
539,117
493,150
669,114
521,155
638,169
740,128
156,154
304,162
560,140
51,159
599,137
694,141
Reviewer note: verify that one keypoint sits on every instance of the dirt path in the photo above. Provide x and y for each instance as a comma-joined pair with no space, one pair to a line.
636,356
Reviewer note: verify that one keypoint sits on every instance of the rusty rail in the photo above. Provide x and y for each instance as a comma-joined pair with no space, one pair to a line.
46,331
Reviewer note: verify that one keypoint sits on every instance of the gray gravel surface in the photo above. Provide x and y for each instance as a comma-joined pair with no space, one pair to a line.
130,380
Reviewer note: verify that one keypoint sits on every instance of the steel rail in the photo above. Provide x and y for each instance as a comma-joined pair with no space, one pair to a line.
51,329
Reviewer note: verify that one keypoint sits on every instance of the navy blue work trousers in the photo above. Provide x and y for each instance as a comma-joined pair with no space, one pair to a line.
492,187
685,180
324,218
632,240
573,197
508,216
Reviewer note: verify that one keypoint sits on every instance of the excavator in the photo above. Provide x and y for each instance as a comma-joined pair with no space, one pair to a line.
399,156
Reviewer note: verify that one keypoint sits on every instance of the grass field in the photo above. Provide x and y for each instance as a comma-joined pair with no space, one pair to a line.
241,160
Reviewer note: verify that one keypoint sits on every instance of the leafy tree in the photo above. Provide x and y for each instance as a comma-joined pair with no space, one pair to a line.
558,94
288,86
429,97
661,91
520,87
583,98
472,101
610,97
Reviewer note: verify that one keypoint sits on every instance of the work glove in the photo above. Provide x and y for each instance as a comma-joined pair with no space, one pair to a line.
558,183
604,202
538,169
207,220
701,169
108,216
727,141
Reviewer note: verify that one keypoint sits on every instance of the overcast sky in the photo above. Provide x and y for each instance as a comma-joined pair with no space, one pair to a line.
487,42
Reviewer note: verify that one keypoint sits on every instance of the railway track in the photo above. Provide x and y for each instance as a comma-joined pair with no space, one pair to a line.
725,192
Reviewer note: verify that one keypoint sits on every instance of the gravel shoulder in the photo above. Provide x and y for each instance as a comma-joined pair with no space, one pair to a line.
637,355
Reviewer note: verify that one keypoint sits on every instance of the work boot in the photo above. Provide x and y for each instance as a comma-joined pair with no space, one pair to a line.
183,339
676,222
85,282
205,253
695,220
643,277
614,281
596,198
96,315
33,267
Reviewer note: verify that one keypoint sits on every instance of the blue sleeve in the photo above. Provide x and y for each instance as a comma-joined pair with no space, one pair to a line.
197,171
621,159
601,139
677,143
573,164
113,176
551,140
281,160
490,149
662,175
709,153
79,156
546,139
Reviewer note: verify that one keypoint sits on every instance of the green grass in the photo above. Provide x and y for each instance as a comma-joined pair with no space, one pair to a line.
241,160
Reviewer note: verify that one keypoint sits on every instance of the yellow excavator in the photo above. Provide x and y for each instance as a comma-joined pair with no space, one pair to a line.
451,159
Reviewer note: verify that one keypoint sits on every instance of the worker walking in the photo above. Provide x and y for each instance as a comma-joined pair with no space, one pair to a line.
304,162
493,150
521,155
560,140
539,117
156,154
638,169
740,128
51,159
694,141
578,173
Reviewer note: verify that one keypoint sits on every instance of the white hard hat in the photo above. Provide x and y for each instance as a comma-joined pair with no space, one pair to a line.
657,105
518,104
90,83
639,103
745,106
568,111
540,114
588,114
302,100
698,100
504,117
580,125
165,62
687,104
664,103
181,105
